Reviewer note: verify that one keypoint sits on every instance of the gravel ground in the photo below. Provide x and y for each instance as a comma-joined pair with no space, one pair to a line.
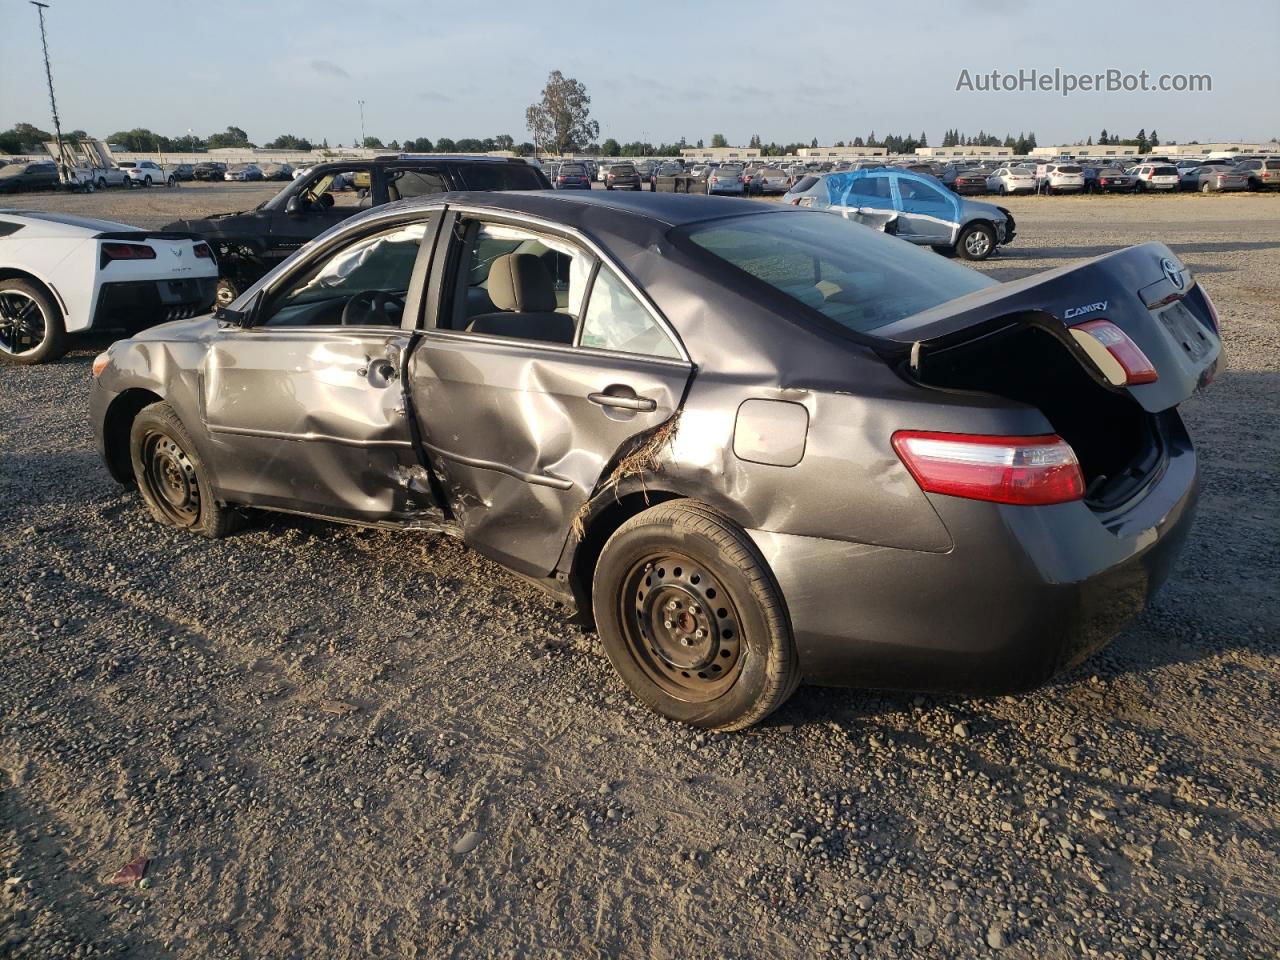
341,743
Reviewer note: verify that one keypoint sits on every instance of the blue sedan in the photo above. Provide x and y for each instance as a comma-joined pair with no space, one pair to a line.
911,206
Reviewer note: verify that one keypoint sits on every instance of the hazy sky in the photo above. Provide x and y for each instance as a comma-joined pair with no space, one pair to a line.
788,71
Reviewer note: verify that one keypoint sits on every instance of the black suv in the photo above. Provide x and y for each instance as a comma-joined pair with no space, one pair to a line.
249,244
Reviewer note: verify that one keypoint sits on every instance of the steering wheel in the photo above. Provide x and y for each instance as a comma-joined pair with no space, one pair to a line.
374,312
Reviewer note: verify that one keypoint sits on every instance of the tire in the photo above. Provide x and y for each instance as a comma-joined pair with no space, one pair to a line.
147,181
226,292
32,330
1002,190
171,182
172,478
102,183
976,242
713,582
1205,188
608,186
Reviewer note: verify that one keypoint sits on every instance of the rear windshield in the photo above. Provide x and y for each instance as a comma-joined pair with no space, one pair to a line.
1164,172
852,274
618,168
803,184
729,170
1069,168
573,169
502,176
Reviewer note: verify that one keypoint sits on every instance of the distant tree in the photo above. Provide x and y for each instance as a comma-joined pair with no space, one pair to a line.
924,140
141,140
718,140
561,119
504,141
700,146
1141,141
231,137
1090,143
857,142
814,143
611,148
287,141
393,145
1153,141
419,145
445,145
524,149
1102,137
373,143
755,141
469,145
20,135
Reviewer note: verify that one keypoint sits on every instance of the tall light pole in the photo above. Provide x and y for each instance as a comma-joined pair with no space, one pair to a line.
362,136
53,103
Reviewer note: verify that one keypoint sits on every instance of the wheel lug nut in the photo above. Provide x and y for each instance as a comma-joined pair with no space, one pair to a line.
699,634
667,624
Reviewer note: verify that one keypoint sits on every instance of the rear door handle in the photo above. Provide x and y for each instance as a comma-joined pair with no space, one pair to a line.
637,404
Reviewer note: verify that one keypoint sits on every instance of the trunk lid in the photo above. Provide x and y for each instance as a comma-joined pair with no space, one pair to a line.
1144,290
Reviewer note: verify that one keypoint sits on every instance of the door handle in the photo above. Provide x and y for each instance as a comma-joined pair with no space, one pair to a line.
636,404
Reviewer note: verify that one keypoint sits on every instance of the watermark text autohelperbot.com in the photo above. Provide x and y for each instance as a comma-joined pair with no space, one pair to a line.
1066,83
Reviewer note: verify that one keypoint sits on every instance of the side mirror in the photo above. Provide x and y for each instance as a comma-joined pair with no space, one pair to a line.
239,318
296,206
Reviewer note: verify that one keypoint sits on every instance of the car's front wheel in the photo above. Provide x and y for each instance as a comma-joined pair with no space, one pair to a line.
147,180
692,619
172,478
976,242
31,326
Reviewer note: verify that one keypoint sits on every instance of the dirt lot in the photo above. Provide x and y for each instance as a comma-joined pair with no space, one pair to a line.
340,743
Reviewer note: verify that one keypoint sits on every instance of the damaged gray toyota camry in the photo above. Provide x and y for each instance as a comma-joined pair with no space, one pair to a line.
751,444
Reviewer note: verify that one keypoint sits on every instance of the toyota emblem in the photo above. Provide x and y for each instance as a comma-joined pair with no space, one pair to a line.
1172,271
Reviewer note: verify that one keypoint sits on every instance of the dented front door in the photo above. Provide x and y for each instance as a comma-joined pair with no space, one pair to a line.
521,432
313,421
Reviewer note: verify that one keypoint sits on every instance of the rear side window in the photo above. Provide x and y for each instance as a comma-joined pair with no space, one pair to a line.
616,320
502,176
402,184
803,184
1273,164
855,276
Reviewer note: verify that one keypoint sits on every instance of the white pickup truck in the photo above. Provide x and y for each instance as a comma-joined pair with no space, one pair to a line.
90,163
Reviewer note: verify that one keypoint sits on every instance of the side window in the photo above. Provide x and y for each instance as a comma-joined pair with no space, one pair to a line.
363,284
346,189
513,282
616,320
920,197
870,192
402,184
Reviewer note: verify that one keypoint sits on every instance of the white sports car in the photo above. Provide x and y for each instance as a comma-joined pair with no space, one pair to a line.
62,274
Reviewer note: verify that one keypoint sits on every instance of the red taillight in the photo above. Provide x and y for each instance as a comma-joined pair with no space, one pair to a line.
559,179
203,251
126,251
1135,366
1025,471
795,201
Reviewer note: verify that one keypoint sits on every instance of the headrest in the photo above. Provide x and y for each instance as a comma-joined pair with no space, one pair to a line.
520,282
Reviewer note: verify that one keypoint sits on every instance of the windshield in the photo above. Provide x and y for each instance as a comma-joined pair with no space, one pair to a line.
852,274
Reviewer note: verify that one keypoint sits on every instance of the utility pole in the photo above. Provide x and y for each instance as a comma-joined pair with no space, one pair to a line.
53,103
362,136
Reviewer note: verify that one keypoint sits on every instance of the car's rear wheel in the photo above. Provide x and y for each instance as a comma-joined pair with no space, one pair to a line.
102,183
692,618
1205,188
172,181
31,326
976,242
147,180
171,477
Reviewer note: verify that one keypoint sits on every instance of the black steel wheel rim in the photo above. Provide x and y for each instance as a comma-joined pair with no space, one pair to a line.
22,323
170,477
681,627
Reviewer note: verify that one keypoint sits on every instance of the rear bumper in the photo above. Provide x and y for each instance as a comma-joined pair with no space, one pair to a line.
136,304
1024,594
